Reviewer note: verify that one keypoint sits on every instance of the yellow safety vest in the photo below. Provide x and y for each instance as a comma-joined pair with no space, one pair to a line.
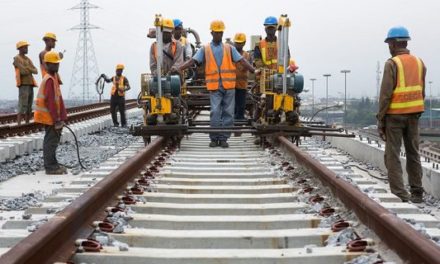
117,85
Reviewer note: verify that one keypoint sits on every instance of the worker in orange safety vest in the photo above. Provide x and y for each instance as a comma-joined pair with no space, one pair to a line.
401,104
51,112
24,69
241,82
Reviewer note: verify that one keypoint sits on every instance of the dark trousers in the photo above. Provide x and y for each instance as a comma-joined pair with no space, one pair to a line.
118,102
240,103
406,127
50,143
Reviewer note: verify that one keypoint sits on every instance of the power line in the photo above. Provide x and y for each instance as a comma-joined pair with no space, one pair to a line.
85,68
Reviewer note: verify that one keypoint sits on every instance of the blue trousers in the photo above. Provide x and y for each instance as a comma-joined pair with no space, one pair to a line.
222,111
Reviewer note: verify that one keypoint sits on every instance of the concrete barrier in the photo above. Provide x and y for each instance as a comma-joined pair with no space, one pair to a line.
374,154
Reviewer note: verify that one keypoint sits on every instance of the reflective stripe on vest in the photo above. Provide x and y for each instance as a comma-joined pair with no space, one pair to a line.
407,97
183,41
242,73
213,73
18,78
173,49
269,53
118,85
41,112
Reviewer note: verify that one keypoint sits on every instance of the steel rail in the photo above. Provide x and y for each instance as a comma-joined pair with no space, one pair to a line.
73,117
55,240
409,244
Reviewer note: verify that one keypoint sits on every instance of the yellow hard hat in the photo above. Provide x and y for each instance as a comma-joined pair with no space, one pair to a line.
240,38
22,44
217,26
120,67
167,25
50,35
52,57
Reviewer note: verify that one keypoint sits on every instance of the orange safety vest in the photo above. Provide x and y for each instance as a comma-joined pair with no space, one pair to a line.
269,54
41,112
118,85
226,72
18,78
407,96
173,48
242,73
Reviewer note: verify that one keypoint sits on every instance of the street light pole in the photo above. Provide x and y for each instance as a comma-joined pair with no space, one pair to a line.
430,104
326,95
313,94
345,94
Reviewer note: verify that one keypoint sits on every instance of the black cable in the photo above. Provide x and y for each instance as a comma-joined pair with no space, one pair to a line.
77,147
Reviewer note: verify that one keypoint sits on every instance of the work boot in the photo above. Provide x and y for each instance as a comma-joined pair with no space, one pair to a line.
213,144
58,171
64,168
416,197
224,144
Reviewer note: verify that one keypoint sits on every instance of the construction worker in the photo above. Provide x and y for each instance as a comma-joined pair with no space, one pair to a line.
178,36
50,40
172,50
241,78
117,99
266,53
24,68
401,103
220,70
50,111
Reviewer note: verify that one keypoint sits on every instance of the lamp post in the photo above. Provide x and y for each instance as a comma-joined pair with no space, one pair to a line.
430,104
313,94
326,95
345,94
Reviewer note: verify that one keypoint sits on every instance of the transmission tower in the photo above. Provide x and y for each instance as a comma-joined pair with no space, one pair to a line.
378,75
85,68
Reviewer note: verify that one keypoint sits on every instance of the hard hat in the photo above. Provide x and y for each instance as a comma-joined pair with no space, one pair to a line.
120,67
50,35
167,25
398,33
52,57
240,38
271,21
177,23
217,26
22,44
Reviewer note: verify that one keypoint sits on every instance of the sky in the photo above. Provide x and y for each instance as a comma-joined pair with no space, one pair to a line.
326,36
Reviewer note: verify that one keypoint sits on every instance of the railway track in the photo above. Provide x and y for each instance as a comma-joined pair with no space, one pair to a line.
75,114
200,205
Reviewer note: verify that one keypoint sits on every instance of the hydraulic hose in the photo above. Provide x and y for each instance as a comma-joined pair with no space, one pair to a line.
77,147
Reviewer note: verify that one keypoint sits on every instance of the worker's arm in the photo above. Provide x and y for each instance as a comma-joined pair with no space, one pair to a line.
236,57
247,65
50,100
18,63
106,79
386,92
178,57
127,84
32,68
199,57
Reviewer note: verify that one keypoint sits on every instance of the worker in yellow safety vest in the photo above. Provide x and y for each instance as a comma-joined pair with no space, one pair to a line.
241,82
266,53
24,69
117,99
401,103
50,40
220,73
51,112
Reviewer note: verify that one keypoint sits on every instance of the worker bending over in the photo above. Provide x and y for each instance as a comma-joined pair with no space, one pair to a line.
50,111
401,104
24,68
117,99
172,50
220,74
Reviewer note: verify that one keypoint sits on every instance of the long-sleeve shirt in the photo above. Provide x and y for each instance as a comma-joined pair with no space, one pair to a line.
167,62
389,83
50,103
26,68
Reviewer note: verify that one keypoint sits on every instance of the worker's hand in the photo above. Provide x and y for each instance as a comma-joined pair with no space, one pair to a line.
174,69
382,134
61,55
59,125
